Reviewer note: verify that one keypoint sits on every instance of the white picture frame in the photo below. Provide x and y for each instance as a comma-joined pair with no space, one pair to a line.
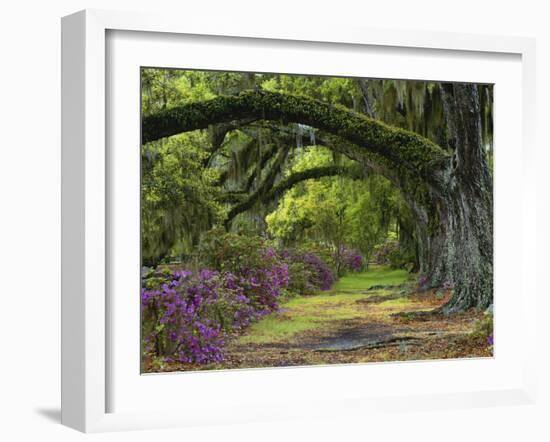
86,351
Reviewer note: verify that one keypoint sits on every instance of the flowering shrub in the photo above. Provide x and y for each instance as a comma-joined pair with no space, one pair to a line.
390,253
300,277
352,261
324,252
308,272
259,269
303,271
175,323
383,252
235,253
322,276
483,330
186,316
263,287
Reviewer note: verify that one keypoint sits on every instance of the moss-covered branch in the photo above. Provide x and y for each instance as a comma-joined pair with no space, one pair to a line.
266,193
314,173
400,147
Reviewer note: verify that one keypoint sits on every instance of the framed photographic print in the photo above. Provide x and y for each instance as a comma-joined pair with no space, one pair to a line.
283,225
251,213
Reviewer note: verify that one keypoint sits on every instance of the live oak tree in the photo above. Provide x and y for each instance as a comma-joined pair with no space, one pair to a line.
447,185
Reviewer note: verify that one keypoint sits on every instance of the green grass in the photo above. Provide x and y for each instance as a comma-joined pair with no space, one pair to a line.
399,303
375,276
301,314
309,312
276,329
325,307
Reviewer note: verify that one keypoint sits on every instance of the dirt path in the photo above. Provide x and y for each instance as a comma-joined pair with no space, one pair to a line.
356,325
358,321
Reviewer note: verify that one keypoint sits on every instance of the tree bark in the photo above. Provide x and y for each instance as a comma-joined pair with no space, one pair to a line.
465,238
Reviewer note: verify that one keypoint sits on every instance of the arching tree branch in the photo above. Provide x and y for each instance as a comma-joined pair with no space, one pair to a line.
371,161
267,193
314,173
401,148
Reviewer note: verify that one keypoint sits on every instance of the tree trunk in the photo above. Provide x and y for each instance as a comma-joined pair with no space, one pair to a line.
459,252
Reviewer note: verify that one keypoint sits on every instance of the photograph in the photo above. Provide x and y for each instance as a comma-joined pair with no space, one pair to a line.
296,220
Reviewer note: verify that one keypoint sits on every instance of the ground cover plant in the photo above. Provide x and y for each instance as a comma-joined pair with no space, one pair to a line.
297,220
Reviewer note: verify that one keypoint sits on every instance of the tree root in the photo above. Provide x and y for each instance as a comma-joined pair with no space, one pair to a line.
422,315
392,342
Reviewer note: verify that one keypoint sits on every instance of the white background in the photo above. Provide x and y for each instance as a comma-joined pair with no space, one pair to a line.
267,389
30,216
